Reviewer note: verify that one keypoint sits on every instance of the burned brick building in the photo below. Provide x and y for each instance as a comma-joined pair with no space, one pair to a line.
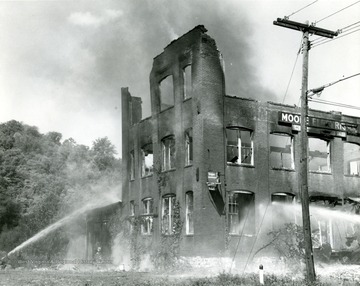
223,158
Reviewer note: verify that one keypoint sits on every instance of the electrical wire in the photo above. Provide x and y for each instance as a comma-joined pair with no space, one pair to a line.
287,17
347,27
339,37
319,41
342,30
320,89
337,104
336,12
292,72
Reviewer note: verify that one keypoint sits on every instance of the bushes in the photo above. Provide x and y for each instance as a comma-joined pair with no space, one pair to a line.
165,255
43,180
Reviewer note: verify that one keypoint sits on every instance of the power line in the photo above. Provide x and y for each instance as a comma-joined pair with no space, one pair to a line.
337,104
336,12
342,30
323,41
292,72
287,17
339,37
319,90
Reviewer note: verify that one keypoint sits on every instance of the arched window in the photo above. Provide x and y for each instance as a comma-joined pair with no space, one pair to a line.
131,215
189,215
241,212
282,212
187,82
167,214
147,216
188,147
132,165
168,153
166,93
147,159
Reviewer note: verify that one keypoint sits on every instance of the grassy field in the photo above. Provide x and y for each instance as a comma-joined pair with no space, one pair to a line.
20,277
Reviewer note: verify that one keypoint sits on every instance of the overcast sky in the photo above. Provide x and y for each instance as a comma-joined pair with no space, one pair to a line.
63,63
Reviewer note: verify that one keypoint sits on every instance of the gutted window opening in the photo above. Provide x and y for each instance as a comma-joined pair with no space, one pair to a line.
281,214
240,146
189,204
322,224
98,238
147,218
132,165
351,159
132,208
241,213
168,153
147,160
167,214
334,224
131,215
166,93
188,147
319,155
187,82
281,151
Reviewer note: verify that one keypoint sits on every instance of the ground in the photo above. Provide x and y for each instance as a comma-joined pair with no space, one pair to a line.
327,275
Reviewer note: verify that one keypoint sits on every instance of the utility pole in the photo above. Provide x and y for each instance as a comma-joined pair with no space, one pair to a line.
303,173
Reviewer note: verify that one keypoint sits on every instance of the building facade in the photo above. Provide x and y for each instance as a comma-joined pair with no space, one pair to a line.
224,159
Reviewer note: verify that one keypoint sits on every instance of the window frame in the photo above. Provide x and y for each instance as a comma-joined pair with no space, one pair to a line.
328,152
145,173
187,95
234,212
167,228
168,159
132,208
147,216
278,216
292,153
347,163
132,165
239,146
131,215
189,147
189,213
161,93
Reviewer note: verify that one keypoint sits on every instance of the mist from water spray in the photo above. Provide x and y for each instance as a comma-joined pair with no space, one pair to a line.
276,214
321,212
107,199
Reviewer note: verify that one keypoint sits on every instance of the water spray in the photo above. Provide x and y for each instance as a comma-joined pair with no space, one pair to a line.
57,225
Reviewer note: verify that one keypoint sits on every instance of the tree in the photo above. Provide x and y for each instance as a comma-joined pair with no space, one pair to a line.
42,180
104,153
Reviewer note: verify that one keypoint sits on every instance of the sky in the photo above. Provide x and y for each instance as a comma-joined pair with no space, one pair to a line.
63,63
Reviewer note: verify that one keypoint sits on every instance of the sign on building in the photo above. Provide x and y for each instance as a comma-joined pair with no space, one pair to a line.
339,129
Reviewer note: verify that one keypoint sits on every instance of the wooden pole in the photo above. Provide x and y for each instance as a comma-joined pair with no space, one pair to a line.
303,174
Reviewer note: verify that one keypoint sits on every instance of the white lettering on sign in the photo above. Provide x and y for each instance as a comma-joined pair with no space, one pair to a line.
290,118
322,123
296,127
284,117
340,126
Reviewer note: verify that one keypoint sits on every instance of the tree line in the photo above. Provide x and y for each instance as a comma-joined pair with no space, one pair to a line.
43,178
